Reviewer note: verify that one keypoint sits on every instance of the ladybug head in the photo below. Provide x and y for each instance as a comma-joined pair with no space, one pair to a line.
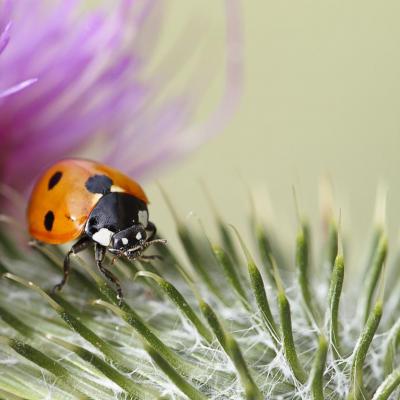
129,241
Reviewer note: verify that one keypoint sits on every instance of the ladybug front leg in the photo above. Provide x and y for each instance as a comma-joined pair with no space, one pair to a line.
150,257
80,245
151,231
100,252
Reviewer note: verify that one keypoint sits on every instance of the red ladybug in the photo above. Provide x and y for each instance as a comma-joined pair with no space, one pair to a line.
96,204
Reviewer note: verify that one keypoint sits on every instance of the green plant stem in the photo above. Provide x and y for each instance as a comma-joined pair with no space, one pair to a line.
75,324
388,386
111,302
181,303
287,336
232,350
335,291
377,234
374,273
224,233
134,320
131,388
17,324
258,288
214,323
260,295
190,248
265,250
134,390
317,372
230,272
302,263
185,387
9,396
357,391
223,349
227,241
391,348
64,379
252,392
196,259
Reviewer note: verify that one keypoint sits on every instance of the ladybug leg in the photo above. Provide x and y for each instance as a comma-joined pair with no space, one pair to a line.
80,245
150,257
151,228
100,252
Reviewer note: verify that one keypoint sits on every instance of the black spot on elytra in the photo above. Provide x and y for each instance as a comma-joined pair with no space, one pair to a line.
99,184
54,179
49,220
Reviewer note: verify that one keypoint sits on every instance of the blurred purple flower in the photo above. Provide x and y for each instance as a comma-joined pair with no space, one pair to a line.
92,89
4,39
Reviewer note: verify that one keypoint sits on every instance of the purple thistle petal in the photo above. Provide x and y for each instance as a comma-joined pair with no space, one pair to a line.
17,88
4,40
90,88
188,136
4,37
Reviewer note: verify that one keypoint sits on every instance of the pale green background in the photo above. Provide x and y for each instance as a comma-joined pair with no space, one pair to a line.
321,96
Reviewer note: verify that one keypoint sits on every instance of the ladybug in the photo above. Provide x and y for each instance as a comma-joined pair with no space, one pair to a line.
77,199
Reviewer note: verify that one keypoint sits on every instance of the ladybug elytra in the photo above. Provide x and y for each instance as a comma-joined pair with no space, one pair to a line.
95,204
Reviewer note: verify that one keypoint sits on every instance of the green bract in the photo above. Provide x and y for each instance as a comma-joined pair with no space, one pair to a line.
228,320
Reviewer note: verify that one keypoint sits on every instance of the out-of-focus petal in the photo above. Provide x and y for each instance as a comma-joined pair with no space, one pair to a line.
90,87
17,88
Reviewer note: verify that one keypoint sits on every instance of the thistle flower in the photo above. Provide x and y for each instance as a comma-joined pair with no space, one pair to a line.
4,39
94,93
228,323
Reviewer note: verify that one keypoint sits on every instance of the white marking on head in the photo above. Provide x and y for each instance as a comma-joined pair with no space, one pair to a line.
138,236
103,236
143,217
125,241
115,188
